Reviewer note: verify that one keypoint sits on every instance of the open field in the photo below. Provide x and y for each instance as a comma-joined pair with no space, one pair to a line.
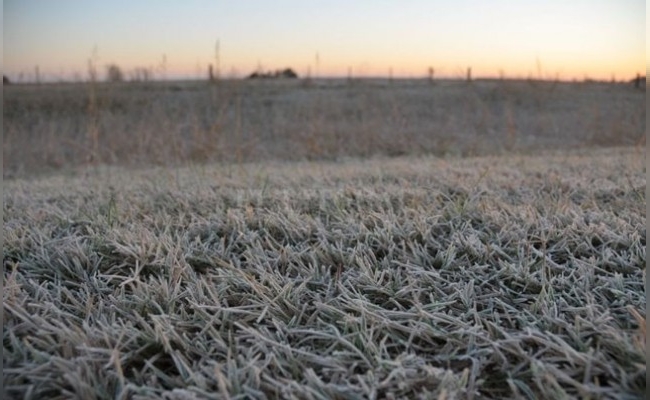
53,127
517,276
324,239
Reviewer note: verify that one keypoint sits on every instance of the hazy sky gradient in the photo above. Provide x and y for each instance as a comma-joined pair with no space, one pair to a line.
571,39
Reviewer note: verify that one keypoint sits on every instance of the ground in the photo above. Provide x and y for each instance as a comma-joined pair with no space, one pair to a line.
509,272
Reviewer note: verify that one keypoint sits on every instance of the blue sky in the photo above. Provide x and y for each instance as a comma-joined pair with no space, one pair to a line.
571,39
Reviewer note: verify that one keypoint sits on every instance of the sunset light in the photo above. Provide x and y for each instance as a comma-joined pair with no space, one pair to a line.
553,39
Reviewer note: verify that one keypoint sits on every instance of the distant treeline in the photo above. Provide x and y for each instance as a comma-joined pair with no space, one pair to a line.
280,73
115,74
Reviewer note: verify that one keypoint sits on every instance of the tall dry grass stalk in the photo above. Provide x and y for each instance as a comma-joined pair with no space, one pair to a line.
93,113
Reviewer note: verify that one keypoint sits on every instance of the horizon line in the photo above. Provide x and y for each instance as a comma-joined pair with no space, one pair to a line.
386,78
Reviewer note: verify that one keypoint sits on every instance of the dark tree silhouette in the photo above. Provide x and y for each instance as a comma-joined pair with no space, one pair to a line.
638,81
114,73
288,73
285,73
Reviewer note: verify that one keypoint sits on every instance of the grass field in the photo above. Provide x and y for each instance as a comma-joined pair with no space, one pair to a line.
510,268
53,127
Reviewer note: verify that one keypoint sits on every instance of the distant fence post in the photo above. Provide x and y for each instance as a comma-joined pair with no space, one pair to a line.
469,74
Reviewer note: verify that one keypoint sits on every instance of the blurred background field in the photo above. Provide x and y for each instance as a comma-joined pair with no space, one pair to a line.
51,127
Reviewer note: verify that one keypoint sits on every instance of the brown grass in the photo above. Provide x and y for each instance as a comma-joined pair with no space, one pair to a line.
54,127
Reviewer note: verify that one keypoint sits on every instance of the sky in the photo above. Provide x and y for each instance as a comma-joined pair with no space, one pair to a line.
576,39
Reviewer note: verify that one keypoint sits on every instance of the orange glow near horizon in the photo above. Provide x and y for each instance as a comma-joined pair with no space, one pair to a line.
595,39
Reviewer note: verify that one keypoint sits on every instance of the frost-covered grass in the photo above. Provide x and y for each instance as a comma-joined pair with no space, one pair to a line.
415,277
